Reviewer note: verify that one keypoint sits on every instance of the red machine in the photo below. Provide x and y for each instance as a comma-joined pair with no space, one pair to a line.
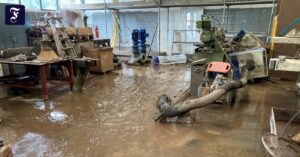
219,67
217,74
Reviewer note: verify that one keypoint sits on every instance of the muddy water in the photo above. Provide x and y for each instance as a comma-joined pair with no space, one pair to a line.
114,118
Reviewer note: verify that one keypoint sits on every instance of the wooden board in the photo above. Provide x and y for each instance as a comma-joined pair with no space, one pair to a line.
69,30
84,31
286,40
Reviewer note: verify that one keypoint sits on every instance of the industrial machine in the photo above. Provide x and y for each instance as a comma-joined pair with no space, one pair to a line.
210,49
243,49
217,74
256,57
139,46
212,38
231,64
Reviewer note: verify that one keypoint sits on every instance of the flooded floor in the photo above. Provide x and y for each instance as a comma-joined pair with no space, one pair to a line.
114,118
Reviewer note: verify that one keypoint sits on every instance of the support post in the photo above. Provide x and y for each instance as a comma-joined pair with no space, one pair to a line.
70,71
43,78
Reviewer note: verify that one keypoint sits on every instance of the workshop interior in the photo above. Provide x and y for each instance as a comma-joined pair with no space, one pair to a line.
133,78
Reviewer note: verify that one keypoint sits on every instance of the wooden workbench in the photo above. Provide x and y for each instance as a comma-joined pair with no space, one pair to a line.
42,66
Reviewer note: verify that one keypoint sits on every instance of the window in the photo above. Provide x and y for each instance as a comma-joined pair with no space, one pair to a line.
31,4
69,2
96,1
49,4
10,1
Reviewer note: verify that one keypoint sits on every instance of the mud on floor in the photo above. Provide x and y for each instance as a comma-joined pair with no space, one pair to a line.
115,118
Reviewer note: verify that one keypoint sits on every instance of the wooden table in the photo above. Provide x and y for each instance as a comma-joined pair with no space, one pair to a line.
42,66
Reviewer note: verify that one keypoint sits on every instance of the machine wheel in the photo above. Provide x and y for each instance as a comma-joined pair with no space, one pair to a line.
143,59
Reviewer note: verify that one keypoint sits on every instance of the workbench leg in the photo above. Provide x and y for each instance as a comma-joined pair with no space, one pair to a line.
43,77
70,71
11,69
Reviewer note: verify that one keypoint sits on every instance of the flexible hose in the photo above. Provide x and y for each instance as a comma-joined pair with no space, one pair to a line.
164,102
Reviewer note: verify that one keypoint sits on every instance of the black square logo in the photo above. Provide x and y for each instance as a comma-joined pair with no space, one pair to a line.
15,14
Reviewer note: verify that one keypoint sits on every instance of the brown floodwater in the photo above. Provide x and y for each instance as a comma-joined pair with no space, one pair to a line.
114,118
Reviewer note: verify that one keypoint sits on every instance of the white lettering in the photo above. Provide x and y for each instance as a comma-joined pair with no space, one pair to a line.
15,12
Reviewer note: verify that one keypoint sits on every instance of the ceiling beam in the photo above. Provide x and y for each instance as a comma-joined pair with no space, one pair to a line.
164,3
194,3
119,5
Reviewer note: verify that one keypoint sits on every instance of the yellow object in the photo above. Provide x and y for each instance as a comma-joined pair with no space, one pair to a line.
273,34
115,27
47,54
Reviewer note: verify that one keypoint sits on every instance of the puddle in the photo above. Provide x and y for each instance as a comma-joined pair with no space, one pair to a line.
58,117
115,118
31,144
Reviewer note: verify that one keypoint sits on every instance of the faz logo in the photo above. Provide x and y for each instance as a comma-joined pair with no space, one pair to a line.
15,14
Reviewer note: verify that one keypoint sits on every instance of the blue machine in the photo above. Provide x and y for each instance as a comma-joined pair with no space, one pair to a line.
135,41
142,41
238,38
139,45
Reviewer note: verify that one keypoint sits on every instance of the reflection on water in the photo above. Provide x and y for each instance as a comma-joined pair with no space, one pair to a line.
31,144
115,118
40,105
57,116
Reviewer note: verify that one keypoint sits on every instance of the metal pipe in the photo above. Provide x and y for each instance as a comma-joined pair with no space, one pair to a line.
105,18
152,39
227,16
224,11
159,27
164,102
168,25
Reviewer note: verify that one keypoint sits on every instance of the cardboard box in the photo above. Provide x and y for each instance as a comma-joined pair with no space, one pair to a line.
84,31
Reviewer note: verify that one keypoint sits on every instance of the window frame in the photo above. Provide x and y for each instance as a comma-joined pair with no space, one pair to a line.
40,5
57,6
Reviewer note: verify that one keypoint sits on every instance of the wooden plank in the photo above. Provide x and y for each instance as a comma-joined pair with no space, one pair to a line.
34,62
286,40
291,65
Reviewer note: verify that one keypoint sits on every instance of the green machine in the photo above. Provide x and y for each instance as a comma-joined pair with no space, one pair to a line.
212,38
210,49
